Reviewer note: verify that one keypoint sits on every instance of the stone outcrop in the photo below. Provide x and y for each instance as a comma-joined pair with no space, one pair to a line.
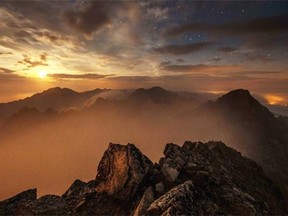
121,171
17,204
195,179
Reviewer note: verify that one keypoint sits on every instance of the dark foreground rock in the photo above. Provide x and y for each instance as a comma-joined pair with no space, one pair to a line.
195,179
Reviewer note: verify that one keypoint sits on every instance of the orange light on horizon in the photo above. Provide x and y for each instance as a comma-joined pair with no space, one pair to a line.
274,99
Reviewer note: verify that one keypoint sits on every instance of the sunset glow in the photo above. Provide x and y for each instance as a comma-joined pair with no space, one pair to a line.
275,100
182,45
42,74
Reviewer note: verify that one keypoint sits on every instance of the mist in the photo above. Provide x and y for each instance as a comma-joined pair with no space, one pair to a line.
50,154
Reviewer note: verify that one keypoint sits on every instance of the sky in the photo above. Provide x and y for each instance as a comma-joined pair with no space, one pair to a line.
203,46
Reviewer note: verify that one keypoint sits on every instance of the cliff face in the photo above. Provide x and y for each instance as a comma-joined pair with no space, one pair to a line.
197,178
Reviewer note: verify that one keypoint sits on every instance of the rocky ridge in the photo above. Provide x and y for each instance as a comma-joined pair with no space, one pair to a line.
193,179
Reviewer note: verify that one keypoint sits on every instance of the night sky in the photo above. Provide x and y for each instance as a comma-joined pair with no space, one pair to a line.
210,46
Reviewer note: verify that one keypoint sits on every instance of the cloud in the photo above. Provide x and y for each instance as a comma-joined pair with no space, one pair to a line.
6,71
158,13
258,33
23,29
275,24
95,16
227,49
183,49
30,63
200,68
78,76
6,53
258,57
216,59
43,57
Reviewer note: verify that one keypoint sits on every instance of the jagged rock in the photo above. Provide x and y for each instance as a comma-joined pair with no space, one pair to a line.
17,203
147,199
171,168
48,205
211,179
227,182
77,192
178,201
121,171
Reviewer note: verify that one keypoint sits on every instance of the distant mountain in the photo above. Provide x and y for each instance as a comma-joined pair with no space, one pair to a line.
155,95
195,179
255,129
58,99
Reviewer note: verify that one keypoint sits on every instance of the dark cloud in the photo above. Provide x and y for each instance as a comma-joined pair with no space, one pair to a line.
227,49
6,53
258,57
133,78
6,70
200,68
45,14
78,76
180,60
30,63
258,33
183,49
94,16
185,68
164,63
43,57
9,76
275,24
253,72
216,59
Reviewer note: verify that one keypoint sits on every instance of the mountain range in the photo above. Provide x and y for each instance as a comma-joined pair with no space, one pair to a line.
149,116
64,99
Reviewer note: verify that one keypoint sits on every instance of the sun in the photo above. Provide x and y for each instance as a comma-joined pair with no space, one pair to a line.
42,74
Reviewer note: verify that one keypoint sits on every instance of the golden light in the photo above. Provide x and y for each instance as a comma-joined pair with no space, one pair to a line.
273,99
42,74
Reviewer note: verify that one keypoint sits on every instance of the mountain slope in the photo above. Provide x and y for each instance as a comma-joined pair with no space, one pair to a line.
58,99
255,129
197,178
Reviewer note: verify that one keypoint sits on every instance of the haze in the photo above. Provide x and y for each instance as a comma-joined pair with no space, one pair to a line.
50,154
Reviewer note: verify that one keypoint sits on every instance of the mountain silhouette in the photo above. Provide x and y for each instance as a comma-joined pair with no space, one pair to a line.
58,99
155,95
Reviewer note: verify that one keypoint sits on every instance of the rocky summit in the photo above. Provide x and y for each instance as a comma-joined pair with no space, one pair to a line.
195,179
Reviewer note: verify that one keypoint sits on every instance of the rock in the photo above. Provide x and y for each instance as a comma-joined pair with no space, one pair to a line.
159,187
171,168
177,201
121,171
77,192
17,203
48,205
195,179
147,199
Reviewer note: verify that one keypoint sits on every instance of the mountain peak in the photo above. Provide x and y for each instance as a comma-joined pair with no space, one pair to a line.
241,101
240,95
155,94
57,90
